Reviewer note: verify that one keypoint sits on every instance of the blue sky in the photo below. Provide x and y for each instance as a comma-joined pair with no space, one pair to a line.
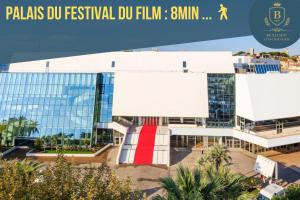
231,44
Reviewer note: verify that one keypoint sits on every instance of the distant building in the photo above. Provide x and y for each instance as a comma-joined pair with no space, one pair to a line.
251,51
291,64
4,67
286,51
248,64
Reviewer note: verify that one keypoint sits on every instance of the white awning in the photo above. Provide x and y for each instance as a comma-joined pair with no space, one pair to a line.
272,190
160,94
265,166
267,96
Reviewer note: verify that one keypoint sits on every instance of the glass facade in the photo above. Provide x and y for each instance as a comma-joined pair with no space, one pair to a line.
48,104
221,100
106,85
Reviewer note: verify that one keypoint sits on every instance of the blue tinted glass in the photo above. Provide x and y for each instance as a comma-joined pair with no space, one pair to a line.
257,69
52,103
221,100
106,81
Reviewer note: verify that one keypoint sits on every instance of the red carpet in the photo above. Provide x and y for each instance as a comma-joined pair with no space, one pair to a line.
145,147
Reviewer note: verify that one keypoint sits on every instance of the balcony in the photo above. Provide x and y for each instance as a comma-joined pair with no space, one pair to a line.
270,131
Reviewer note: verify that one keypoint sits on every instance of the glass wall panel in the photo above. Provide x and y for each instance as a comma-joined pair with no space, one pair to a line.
221,100
106,81
47,104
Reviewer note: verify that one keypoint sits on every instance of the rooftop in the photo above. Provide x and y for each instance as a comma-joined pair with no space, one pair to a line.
201,62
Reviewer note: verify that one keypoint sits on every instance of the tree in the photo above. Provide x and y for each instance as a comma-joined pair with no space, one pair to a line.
3,127
61,180
54,141
189,185
201,184
291,193
31,127
209,181
216,155
45,140
19,127
38,143
68,139
239,53
17,179
29,166
85,138
230,185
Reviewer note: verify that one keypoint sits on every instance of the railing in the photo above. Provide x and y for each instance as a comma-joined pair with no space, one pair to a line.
123,143
32,154
118,127
258,128
269,130
123,121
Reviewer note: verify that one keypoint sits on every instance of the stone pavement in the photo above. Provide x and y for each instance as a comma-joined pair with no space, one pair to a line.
146,178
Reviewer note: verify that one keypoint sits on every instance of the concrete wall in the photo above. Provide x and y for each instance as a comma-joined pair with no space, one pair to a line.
207,62
160,94
267,96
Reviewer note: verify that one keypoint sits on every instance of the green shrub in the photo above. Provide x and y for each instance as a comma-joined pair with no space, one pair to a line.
27,180
38,144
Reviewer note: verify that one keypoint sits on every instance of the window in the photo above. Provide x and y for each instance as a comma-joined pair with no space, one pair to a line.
184,64
279,126
221,100
106,82
113,64
56,103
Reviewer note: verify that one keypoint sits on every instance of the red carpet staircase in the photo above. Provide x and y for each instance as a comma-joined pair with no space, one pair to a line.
145,146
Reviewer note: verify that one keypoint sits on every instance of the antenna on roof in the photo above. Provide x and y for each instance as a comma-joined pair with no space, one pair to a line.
47,67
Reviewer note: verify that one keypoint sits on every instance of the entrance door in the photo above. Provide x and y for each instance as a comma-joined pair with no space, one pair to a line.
150,121
118,140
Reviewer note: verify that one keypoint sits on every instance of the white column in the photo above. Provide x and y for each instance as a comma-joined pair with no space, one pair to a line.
205,142
203,122
220,141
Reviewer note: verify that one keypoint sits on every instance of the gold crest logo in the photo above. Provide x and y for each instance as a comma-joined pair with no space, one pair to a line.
277,19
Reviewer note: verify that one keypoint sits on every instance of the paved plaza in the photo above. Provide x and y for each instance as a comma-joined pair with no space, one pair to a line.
146,178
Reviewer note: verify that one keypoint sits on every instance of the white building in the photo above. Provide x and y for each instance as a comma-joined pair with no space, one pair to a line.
188,99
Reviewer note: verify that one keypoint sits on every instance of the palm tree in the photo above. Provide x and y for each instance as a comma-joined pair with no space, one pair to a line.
61,136
230,184
54,140
3,127
216,155
84,137
46,139
20,127
189,185
26,127
29,166
9,131
204,184
32,127
68,139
